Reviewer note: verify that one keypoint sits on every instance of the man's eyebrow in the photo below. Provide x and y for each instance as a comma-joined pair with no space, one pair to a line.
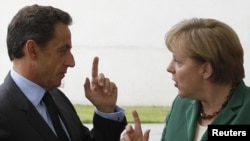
65,47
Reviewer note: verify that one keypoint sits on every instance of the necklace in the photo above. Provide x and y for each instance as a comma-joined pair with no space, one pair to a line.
207,116
210,116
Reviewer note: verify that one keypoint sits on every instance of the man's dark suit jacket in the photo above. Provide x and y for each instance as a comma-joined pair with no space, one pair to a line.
20,121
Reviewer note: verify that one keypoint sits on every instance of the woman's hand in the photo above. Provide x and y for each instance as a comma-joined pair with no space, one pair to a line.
135,134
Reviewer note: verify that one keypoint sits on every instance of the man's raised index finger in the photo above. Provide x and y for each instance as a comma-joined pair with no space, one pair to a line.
95,68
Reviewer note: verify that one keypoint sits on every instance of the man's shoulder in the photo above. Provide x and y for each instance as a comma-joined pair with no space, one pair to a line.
5,99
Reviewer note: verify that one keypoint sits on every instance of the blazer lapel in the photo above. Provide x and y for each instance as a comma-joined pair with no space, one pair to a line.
68,115
235,102
31,114
65,114
38,123
191,118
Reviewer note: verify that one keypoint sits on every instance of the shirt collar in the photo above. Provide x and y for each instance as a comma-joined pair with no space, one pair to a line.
30,89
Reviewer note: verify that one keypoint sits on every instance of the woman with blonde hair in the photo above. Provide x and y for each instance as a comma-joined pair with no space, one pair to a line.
207,68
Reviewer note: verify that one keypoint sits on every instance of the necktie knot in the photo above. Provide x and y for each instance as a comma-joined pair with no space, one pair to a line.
47,99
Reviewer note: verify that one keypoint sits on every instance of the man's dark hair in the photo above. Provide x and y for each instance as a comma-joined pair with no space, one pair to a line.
36,23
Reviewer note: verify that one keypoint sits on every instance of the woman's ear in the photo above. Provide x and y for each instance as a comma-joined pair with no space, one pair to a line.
31,49
207,70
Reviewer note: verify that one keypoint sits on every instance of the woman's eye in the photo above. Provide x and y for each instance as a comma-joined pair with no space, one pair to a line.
177,61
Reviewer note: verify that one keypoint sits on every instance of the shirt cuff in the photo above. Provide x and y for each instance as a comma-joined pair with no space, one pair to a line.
118,115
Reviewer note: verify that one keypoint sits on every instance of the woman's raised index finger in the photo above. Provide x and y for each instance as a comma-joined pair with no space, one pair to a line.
136,120
95,68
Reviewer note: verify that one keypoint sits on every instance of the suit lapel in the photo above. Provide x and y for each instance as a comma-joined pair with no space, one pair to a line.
236,101
29,111
68,115
38,123
65,114
191,119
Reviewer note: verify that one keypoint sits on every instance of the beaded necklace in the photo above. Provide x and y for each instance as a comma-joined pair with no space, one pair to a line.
210,116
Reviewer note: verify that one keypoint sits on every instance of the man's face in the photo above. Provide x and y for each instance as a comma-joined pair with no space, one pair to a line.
53,62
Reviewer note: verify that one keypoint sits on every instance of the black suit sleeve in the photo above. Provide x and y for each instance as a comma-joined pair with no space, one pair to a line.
5,134
106,129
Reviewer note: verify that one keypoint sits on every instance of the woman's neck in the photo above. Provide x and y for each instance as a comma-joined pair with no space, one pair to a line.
216,100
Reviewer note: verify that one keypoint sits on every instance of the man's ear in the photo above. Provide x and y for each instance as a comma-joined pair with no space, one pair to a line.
31,49
207,70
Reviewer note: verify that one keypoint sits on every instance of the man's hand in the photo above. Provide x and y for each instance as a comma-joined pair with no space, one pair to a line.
101,92
132,134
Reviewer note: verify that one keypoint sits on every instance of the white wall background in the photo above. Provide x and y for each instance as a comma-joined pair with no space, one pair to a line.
128,36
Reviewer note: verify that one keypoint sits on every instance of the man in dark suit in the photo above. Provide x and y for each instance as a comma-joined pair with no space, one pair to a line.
39,45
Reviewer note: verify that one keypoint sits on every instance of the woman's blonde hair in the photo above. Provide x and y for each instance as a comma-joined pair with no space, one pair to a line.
209,40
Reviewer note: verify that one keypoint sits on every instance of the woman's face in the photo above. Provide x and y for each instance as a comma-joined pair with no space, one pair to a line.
186,72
